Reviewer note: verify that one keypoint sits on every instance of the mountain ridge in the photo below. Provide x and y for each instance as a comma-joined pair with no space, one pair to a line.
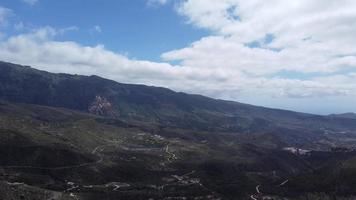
349,115
30,68
161,106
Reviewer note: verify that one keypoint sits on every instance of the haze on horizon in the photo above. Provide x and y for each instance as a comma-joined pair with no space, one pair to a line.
298,55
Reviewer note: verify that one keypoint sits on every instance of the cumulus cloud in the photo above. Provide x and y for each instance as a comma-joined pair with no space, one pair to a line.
70,57
30,2
304,36
259,39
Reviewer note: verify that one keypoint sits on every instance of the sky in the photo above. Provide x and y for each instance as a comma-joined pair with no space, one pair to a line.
298,54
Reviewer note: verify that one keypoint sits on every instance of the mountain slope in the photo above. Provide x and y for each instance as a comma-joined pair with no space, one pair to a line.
78,137
49,151
50,148
160,106
74,155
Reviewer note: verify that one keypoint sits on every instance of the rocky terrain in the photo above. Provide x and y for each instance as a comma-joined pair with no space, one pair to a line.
77,137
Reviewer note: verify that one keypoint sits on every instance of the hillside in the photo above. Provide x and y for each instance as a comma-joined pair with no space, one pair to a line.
73,155
160,106
70,137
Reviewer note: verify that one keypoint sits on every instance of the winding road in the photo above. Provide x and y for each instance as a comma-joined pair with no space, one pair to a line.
95,151
253,197
284,182
258,191
171,156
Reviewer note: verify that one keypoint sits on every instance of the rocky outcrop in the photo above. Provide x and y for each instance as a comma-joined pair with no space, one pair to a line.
102,107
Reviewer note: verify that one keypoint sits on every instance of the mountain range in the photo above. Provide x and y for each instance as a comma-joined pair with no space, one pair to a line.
345,115
85,137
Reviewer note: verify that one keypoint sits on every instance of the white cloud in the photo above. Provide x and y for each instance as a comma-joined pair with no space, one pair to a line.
4,14
308,36
258,38
30,2
96,29
68,29
19,26
71,57
157,2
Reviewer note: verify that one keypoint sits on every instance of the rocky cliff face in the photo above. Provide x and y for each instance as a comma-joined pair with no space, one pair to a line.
101,106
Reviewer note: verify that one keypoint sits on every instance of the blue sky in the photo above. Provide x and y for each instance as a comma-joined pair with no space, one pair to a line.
298,54
135,28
